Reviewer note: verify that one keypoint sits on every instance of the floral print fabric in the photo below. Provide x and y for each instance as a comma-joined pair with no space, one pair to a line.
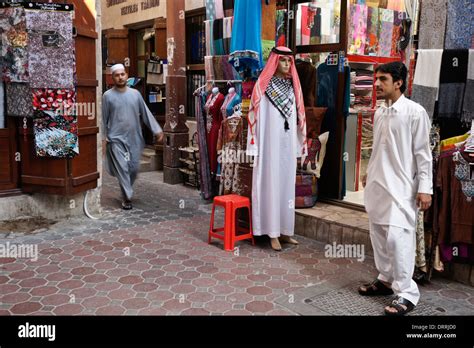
19,100
460,24
62,100
55,135
13,45
359,29
373,31
432,24
51,49
385,40
55,123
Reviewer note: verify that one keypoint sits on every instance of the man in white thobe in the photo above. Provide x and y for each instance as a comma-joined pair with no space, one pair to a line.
398,182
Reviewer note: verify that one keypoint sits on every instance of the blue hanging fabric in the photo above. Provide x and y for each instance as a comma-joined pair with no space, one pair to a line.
246,44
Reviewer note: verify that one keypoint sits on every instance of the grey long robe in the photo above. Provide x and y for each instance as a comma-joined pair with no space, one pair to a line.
121,115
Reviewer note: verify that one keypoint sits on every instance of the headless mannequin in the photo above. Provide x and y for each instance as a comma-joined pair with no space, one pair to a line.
214,119
282,72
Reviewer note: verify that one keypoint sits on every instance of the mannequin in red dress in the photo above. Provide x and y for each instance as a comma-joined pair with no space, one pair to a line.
214,120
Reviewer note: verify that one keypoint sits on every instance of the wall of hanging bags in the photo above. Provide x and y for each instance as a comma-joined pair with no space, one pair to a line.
37,65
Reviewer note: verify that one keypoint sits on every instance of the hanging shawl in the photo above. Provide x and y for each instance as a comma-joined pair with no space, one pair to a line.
262,85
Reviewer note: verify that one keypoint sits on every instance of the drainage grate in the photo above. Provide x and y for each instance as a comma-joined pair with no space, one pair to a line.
347,301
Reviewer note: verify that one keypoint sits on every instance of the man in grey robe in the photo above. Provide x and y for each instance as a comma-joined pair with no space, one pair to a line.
122,110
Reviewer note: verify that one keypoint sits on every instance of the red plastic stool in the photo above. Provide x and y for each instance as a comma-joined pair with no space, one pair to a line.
231,203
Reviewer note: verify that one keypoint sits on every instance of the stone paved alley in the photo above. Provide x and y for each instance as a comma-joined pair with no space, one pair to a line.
155,260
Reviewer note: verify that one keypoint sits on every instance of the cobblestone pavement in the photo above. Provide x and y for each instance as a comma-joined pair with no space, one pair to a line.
155,260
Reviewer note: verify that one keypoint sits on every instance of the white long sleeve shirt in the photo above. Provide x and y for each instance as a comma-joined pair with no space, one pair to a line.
400,165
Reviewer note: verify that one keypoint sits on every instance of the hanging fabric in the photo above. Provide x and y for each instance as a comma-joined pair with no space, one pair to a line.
55,135
19,100
228,8
456,191
218,36
210,10
426,81
452,83
13,45
246,44
2,105
460,24
51,57
386,32
468,103
373,31
398,17
205,175
358,29
396,5
213,120
59,100
432,24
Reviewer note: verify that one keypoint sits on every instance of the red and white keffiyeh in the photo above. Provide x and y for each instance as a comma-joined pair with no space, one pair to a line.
261,86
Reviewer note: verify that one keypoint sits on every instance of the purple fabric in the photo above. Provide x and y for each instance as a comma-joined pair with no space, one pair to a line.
304,190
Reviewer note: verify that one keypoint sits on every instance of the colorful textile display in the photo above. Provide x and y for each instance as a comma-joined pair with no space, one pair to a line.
398,17
62,100
218,36
456,190
246,45
51,57
13,45
55,135
358,29
386,32
205,175
373,31
230,143
460,24
232,99
19,100
306,190
219,68
432,24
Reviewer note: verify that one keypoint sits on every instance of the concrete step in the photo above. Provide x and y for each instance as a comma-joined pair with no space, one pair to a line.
149,161
330,223
145,166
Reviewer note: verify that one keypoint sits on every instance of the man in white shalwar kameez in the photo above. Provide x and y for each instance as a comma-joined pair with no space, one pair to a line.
398,182
277,136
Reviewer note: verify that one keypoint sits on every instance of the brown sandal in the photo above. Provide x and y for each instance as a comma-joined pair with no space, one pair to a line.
376,288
